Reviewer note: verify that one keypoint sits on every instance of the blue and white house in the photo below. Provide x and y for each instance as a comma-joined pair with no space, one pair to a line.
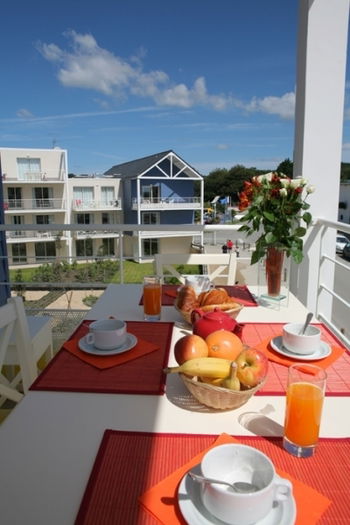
159,189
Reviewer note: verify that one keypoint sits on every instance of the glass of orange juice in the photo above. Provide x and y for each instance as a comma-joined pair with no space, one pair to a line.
152,292
305,394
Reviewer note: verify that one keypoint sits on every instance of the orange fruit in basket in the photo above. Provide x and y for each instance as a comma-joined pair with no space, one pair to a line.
224,344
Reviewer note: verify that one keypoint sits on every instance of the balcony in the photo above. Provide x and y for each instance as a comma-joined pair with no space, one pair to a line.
15,205
167,203
34,236
79,205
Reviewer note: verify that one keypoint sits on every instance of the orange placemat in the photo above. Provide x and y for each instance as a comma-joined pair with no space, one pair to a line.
133,467
337,364
142,348
143,374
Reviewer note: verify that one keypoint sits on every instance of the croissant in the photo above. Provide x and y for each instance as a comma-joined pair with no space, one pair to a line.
186,299
215,296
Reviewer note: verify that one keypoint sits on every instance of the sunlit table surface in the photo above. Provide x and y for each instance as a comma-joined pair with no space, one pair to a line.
49,442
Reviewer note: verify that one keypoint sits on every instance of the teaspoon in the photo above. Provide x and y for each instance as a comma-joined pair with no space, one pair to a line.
237,486
307,322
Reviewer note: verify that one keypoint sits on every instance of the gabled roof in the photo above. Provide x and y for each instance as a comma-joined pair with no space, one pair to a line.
139,167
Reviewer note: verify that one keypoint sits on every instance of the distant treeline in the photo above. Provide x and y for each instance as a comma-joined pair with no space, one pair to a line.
229,182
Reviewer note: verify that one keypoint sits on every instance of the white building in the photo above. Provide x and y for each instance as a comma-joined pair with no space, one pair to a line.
37,191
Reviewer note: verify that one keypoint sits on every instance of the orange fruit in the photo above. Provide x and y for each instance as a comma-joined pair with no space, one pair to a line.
224,344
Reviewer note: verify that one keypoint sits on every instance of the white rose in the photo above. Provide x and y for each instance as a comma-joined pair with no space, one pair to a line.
265,178
283,192
296,183
310,189
285,183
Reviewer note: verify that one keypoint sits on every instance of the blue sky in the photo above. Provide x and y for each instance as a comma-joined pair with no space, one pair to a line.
111,81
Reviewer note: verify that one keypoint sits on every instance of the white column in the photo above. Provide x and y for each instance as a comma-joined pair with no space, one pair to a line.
321,67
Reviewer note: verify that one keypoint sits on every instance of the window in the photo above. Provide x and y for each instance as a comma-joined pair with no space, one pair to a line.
83,247
82,195
152,217
150,247
107,247
14,197
107,195
44,219
19,253
17,220
84,218
106,218
45,251
42,198
151,192
28,169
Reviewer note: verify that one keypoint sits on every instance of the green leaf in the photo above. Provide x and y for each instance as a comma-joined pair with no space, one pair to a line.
307,217
300,232
255,257
269,216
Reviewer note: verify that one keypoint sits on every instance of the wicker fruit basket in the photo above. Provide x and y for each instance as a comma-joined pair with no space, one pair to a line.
217,397
232,312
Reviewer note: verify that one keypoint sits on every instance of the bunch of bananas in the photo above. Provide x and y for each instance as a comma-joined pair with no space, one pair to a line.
212,370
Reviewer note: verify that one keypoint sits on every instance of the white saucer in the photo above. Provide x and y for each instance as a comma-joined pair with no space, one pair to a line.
130,342
194,512
324,351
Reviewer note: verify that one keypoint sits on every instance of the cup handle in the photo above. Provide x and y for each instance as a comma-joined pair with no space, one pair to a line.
89,338
283,489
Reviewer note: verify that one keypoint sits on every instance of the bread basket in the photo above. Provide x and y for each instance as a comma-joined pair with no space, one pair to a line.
232,312
217,397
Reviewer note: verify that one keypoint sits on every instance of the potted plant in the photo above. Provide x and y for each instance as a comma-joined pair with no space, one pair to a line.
276,208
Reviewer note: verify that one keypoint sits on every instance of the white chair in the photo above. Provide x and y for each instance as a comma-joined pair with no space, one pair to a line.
220,265
38,336
13,324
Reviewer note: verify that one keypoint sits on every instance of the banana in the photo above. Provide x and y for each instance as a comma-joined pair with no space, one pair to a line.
203,366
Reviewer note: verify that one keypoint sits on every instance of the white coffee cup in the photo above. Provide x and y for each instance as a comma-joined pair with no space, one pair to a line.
298,343
200,283
231,462
106,334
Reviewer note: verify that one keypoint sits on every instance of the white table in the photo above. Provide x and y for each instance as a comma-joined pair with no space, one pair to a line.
49,443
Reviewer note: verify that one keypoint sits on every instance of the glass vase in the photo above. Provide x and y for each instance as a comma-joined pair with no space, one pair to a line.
274,266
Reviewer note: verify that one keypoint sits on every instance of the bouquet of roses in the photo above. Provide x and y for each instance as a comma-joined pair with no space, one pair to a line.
276,208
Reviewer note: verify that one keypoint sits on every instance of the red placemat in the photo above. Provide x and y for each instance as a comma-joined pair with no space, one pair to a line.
143,375
130,463
338,372
241,293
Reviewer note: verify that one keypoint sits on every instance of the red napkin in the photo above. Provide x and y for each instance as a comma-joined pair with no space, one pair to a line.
310,503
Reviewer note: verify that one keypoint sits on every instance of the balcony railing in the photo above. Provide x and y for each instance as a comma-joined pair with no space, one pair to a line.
36,176
28,236
80,204
11,205
316,273
158,203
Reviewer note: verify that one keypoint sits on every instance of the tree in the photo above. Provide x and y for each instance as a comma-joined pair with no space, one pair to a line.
286,167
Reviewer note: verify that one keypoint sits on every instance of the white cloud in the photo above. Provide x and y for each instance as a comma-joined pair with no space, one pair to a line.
222,146
86,65
282,106
24,113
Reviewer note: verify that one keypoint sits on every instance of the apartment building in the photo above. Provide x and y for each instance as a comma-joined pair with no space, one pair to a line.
158,189
38,191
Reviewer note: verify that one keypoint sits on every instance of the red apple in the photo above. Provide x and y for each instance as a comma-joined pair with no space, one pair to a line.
252,367
189,347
